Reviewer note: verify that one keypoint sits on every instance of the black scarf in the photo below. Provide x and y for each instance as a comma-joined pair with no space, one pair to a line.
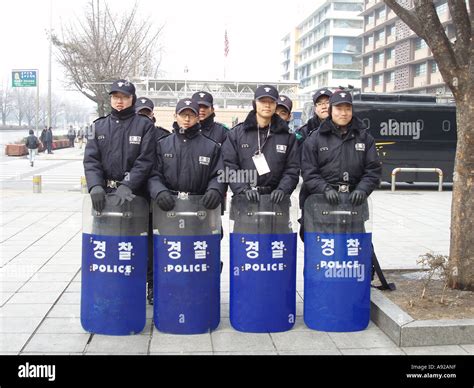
124,114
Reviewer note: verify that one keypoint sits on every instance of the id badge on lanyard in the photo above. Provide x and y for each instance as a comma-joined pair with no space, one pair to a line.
259,160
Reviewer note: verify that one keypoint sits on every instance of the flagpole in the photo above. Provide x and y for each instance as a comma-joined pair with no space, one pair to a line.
226,52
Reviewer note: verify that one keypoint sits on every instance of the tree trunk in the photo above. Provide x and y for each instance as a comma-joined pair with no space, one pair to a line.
462,209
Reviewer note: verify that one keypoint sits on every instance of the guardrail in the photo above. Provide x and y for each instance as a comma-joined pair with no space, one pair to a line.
411,169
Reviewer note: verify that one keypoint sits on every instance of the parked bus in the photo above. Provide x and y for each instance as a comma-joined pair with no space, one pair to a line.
410,130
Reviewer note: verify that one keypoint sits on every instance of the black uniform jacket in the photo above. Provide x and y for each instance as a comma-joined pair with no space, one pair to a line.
329,158
279,147
186,162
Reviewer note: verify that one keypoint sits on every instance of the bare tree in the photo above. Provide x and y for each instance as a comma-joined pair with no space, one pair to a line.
6,103
104,47
455,61
25,105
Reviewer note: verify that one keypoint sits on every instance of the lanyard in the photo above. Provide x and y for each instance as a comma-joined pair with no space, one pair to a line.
258,138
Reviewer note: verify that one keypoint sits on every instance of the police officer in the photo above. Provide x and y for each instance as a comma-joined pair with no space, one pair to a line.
284,107
144,106
262,144
321,112
120,155
210,128
341,156
187,161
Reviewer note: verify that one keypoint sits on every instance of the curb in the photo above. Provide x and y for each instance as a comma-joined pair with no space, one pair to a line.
404,330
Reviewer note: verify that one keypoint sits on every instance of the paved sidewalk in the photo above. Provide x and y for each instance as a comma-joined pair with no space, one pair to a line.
40,250
40,260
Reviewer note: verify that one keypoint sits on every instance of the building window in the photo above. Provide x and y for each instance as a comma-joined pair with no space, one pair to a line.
380,14
357,7
345,23
434,67
368,61
345,74
369,83
390,77
369,19
391,30
420,69
389,54
378,80
380,35
379,57
347,45
369,40
420,44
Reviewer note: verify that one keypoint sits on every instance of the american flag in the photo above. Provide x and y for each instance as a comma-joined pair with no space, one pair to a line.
226,44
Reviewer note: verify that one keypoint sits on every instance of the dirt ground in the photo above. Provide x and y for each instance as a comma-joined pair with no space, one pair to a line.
409,286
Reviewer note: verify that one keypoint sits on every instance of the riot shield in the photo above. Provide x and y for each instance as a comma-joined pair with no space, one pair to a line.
262,265
186,246
337,264
114,260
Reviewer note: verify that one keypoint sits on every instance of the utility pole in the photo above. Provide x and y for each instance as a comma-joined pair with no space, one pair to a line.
50,121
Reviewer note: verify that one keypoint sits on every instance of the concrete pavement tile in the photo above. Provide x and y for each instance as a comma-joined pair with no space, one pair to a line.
182,354
70,298
49,343
24,310
372,337
241,342
4,296
19,325
468,348
12,342
60,268
312,352
298,340
44,286
52,276
434,350
162,343
73,287
256,353
373,352
61,326
224,325
65,311
33,297
10,286
129,344
225,312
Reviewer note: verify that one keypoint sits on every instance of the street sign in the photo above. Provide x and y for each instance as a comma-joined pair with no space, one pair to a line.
24,78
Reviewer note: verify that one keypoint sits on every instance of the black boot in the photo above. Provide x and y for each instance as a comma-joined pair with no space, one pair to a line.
149,294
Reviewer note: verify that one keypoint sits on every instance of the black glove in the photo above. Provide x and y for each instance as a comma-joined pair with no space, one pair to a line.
211,199
332,196
165,201
358,197
252,195
122,194
98,198
277,196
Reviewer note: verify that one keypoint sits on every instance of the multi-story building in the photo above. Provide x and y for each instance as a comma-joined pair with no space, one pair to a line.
324,50
394,58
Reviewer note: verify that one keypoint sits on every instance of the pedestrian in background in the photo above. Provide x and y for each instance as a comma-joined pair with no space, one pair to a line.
32,144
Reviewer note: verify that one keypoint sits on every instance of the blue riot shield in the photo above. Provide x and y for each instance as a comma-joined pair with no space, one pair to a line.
337,264
186,267
114,259
262,265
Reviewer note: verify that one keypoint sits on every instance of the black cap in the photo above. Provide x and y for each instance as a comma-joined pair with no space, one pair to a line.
123,86
340,97
187,103
266,91
144,103
203,98
321,92
286,102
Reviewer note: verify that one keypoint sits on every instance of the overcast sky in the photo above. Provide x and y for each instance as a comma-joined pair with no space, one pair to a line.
193,35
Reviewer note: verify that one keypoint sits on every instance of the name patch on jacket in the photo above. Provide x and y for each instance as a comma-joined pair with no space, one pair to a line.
281,148
245,146
360,147
168,155
101,137
135,139
204,160
322,149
